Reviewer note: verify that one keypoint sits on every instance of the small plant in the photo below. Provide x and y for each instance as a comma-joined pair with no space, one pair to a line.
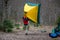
1,26
58,20
58,24
7,25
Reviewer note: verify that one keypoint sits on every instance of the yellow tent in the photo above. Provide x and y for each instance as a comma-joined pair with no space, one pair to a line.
32,11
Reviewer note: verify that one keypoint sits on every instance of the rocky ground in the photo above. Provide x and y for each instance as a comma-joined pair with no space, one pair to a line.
33,34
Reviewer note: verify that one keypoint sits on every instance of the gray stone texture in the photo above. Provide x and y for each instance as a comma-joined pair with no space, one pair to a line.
49,12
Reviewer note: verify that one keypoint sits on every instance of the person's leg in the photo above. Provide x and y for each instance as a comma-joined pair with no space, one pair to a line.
26,30
28,27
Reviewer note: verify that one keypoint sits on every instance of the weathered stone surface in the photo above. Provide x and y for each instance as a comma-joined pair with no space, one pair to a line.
50,10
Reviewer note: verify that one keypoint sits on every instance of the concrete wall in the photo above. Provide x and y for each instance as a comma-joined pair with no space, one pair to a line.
50,10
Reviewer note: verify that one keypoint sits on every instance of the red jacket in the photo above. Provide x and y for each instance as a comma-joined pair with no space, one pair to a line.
25,20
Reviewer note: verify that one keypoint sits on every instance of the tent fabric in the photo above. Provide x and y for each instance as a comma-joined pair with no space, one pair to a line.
27,8
38,18
32,4
32,11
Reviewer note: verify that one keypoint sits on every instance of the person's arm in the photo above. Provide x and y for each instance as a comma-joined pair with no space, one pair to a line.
22,18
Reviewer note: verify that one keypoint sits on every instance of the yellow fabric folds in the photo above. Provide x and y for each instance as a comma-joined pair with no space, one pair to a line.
32,12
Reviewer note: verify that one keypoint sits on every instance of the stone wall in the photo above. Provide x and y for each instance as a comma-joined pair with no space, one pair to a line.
50,10
1,10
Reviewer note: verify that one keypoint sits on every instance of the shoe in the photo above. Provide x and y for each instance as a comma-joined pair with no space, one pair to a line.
26,33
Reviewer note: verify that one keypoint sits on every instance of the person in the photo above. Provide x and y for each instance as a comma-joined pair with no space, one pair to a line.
25,21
